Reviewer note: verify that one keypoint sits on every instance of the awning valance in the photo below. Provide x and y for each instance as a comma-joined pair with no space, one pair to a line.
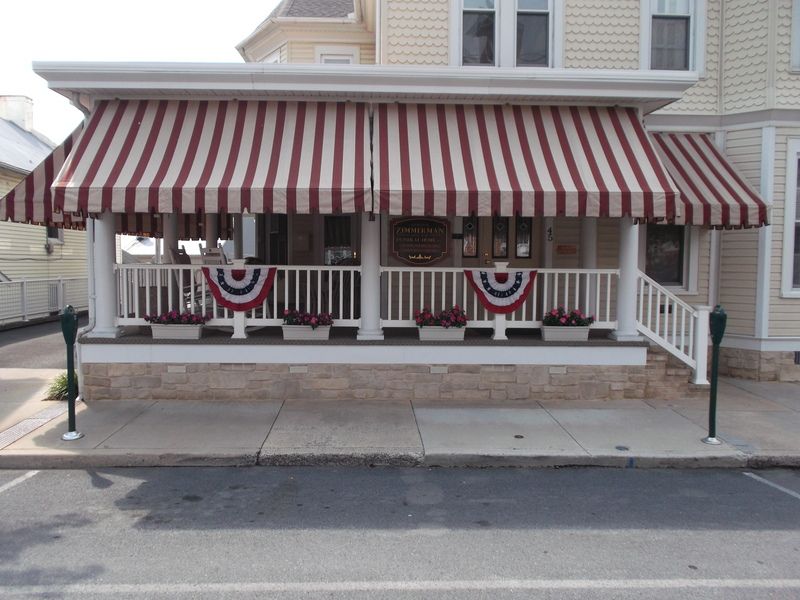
31,201
163,156
713,191
525,160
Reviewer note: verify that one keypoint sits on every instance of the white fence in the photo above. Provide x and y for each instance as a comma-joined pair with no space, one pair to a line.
592,291
155,289
28,299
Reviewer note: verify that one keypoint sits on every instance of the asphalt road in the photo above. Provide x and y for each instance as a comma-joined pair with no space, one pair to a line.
34,347
399,533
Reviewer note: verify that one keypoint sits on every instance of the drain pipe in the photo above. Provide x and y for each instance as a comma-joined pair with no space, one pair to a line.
92,298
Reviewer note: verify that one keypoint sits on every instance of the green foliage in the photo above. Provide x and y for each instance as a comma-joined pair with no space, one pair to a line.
58,389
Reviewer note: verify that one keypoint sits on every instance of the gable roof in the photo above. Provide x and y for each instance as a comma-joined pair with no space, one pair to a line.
19,149
314,9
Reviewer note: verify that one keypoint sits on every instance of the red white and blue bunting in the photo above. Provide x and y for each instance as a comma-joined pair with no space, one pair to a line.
240,289
501,293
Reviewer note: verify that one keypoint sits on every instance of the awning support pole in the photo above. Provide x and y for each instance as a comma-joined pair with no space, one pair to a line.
105,285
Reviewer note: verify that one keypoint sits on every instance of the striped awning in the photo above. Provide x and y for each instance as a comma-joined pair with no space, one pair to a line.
31,201
164,156
713,191
518,160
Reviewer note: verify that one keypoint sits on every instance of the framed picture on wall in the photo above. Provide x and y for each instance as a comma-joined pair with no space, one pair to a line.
500,237
469,248
523,237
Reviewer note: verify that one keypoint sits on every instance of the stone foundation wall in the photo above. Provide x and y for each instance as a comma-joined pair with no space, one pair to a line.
758,366
663,377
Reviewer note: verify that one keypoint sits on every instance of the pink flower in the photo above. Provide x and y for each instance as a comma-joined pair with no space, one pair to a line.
563,319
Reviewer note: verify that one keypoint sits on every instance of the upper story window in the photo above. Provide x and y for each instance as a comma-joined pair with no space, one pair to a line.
505,33
337,55
479,28
670,39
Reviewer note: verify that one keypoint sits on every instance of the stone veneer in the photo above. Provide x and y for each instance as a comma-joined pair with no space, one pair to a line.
758,366
663,377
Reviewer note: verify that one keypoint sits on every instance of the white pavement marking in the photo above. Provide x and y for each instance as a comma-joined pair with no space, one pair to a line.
382,586
17,481
792,493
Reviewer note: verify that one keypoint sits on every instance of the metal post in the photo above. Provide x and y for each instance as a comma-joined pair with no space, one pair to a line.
717,321
69,327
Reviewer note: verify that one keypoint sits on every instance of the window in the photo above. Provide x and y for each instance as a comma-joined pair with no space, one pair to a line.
500,237
469,245
505,33
796,257
664,255
337,55
55,235
670,39
790,269
338,240
478,27
533,38
795,47
522,239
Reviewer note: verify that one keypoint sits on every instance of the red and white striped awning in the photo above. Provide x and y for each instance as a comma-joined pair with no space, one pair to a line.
31,201
518,160
713,191
164,156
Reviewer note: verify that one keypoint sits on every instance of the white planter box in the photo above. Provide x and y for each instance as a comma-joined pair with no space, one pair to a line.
441,334
304,332
565,334
176,332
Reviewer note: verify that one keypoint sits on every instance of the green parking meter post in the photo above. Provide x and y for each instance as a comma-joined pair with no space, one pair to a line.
717,321
69,327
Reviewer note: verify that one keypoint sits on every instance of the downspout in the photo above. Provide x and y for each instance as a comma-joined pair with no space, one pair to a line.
90,279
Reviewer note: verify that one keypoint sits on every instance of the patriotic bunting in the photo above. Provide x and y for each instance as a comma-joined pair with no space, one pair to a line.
240,289
501,293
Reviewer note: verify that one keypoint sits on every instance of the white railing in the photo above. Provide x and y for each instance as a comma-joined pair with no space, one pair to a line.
670,322
155,289
28,299
406,289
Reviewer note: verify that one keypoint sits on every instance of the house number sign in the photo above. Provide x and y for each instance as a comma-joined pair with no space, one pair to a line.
420,241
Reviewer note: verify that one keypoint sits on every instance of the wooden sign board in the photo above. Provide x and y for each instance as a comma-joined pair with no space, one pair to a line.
419,241
566,249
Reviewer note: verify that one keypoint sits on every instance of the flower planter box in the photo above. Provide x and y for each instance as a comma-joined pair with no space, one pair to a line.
441,334
565,334
176,332
305,332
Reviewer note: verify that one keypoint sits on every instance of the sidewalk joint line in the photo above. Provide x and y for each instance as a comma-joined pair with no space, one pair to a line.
416,424
269,430
121,427
780,488
549,414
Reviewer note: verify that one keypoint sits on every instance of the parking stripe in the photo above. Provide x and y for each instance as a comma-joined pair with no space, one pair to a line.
792,493
17,481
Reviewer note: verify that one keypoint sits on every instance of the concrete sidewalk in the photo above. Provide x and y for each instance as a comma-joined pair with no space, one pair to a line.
759,423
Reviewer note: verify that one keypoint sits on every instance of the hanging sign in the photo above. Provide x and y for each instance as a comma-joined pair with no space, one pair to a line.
240,289
420,241
498,292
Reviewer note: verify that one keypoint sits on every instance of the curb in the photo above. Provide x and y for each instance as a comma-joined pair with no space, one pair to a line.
610,461
28,460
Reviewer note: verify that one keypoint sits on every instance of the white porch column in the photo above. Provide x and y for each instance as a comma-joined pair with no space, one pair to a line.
105,285
701,331
589,260
170,236
626,286
370,278
212,230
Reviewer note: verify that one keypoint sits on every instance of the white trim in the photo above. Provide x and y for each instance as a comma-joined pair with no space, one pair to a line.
373,354
794,64
697,35
774,344
790,218
649,89
351,52
765,234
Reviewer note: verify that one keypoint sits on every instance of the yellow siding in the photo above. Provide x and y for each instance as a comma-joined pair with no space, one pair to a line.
303,52
601,35
703,98
739,251
416,32
746,55
784,312
787,84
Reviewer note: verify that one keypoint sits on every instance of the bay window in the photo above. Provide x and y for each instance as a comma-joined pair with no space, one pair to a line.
533,38
479,24
673,35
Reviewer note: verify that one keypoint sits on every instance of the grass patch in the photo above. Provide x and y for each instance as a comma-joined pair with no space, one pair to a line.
58,389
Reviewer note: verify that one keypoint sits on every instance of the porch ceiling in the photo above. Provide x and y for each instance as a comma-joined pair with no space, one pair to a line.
87,82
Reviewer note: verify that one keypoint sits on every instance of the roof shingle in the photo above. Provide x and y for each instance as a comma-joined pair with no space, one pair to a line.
314,9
